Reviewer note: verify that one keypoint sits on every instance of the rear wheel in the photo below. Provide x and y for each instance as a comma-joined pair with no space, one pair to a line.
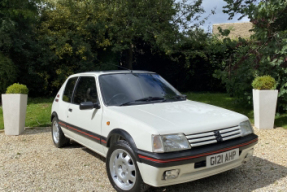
122,169
58,136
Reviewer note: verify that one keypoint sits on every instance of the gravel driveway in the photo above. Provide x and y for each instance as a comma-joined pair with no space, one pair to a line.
30,162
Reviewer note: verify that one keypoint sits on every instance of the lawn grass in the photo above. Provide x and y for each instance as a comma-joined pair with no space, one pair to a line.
38,113
227,102
39,109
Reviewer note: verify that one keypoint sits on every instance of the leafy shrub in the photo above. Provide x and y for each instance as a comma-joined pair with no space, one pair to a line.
264,83
17,88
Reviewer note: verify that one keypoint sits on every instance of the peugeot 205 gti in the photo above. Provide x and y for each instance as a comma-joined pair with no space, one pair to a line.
150,134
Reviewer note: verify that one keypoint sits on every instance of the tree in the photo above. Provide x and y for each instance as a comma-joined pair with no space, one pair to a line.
160,23
265,52
17,21
42,42
75,33
94,34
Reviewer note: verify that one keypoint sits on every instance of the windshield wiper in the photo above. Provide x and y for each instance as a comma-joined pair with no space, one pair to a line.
127,103
150,99
179,97
143,99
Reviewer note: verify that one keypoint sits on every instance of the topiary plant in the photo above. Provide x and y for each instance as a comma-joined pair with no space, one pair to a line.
265,82
17,88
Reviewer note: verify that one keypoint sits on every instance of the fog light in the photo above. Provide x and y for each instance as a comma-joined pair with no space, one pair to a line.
171,174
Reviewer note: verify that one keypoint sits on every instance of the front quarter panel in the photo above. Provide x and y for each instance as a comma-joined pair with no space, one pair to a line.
140,132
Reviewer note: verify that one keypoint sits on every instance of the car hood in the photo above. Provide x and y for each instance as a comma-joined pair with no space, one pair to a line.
180,117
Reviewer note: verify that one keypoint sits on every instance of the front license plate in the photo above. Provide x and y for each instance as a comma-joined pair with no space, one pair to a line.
221,158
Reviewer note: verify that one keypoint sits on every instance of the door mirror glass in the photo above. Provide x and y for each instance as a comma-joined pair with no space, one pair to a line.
86,105
89,105
97,105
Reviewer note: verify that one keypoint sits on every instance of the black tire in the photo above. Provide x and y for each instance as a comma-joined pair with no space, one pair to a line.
59,140
123,149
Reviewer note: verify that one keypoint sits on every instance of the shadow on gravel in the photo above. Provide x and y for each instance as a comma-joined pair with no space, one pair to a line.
74,144
103,159
255,174
36,130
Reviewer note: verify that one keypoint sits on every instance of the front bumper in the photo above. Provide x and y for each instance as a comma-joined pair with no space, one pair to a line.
192,163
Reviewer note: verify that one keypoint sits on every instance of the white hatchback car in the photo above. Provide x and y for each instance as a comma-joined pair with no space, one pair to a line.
150,134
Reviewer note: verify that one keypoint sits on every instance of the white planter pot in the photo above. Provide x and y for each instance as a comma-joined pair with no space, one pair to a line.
14,112
264,105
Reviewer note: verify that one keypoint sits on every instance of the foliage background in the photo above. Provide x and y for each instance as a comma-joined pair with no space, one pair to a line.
265,53
42,42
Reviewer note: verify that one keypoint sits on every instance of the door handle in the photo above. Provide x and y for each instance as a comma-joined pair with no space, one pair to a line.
70,110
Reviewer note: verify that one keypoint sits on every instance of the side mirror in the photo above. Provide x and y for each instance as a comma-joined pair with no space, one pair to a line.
97,105
89,105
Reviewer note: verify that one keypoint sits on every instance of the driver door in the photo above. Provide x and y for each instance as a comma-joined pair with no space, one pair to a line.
86,124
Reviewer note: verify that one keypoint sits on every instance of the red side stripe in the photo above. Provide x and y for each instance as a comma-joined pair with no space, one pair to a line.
103,141
82,132
196,156
62,124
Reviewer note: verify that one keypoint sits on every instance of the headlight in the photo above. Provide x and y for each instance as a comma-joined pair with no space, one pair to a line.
246,128
168,143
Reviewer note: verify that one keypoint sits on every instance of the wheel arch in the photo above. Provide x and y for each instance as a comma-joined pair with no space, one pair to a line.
54,114
117,134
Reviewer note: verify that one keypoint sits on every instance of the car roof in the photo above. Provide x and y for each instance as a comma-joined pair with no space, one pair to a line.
109,72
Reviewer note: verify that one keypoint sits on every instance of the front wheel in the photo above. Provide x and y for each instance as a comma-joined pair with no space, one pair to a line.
58,136
122,169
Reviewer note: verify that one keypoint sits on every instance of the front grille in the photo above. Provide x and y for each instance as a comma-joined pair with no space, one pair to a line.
215,136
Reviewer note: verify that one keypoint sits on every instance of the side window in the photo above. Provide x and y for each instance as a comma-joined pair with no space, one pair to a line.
86,90
69,89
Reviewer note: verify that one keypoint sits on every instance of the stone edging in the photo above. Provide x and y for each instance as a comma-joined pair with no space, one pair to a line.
25,128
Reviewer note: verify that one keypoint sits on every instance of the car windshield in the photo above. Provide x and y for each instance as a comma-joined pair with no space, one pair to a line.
136,88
